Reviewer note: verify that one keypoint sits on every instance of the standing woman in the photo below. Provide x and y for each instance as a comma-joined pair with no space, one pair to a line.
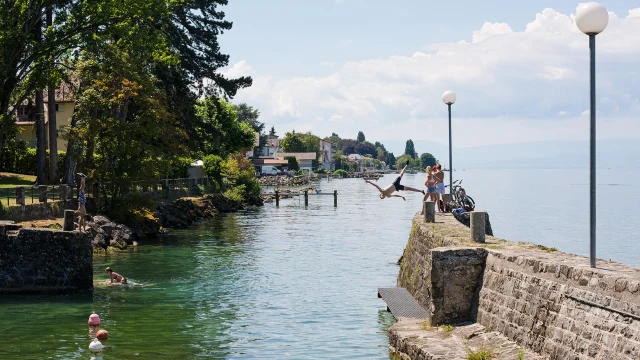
430,183
440,189
82,199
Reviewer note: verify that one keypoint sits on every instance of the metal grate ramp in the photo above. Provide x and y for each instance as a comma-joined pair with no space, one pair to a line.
401,304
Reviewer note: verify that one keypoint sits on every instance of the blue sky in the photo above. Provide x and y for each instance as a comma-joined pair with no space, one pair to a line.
519,67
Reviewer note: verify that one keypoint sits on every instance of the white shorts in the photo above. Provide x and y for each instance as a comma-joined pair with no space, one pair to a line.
440,188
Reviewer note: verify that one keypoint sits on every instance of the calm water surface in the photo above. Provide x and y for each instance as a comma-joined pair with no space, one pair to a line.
301,283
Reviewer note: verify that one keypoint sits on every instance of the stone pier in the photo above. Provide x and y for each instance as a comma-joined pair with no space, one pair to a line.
512,298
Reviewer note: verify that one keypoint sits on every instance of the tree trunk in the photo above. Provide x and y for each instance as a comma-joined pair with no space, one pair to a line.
73,151
41,141
53,130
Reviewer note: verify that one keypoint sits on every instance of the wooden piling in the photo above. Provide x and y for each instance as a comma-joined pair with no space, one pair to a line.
429,211
306,198
335,198
277,198
477,225
20,195
68,220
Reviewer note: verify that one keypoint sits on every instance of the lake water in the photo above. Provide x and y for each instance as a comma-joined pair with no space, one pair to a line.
300,283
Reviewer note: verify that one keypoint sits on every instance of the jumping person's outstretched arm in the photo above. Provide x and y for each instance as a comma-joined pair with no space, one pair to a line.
378,187
400,196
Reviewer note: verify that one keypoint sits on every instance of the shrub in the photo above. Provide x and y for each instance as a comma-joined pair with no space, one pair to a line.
236,193
214,167
293,163
480,354
179,168
340,172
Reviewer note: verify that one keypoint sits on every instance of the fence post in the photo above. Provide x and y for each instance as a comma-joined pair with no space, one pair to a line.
43,193
68,220
277,198
335,198
477,225
306,198
429,211
64,194
20,196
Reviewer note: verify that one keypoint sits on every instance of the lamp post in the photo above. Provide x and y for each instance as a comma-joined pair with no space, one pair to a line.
592,18
449,97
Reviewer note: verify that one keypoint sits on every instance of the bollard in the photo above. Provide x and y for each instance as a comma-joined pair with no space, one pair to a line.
20,195
306,198
477,225
68,220
335,198
429,211
446,198
43,193
277,198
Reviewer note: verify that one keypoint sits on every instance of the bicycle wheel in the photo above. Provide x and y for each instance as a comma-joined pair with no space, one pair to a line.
470,202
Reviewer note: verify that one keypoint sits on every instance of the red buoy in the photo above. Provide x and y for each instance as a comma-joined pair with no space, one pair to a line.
102,335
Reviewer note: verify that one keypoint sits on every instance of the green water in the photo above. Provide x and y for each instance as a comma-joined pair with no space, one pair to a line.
267,283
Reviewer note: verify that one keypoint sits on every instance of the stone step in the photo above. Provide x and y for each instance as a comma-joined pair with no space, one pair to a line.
415,339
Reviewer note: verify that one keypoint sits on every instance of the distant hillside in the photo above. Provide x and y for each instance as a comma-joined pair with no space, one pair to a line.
549,154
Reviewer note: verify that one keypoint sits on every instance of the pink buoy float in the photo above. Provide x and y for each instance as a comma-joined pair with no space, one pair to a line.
94,319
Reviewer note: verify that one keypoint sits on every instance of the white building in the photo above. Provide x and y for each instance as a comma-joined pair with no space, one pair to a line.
272,147
327,156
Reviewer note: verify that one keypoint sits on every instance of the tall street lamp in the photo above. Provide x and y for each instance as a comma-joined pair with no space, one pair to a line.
449,97
592,18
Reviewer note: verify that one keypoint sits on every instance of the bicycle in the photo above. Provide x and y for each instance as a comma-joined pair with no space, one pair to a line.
459,198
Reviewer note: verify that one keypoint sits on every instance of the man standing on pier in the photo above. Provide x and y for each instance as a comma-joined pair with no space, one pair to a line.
387,191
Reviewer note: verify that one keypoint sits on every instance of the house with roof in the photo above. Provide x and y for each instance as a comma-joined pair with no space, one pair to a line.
26,117
272,147
305,159
327,155
250,154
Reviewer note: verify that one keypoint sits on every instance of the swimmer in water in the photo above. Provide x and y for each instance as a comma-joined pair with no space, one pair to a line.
115,277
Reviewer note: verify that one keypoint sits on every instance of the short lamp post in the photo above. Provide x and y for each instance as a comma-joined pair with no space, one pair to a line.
449,97
592,18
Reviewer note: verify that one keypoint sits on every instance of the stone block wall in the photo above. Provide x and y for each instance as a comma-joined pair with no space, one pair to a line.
559,307
38,260
34,211
550,302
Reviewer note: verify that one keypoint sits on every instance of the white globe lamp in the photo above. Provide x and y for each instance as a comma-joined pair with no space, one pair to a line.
592,18
449,97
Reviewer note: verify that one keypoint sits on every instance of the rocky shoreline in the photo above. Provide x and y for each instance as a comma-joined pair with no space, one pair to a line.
176,214
284,180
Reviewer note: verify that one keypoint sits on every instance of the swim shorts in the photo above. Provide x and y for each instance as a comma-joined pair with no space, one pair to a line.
440,188
396,184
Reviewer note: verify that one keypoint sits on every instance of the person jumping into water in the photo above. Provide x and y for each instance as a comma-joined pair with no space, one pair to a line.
387,191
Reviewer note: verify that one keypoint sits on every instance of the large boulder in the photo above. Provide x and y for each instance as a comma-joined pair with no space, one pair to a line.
105,232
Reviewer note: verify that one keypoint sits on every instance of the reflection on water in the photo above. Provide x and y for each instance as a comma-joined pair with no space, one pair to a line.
292,281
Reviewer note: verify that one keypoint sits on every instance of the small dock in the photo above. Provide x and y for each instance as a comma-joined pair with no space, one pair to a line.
306,195
401,304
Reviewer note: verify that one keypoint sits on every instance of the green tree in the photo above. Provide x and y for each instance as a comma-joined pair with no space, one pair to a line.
292,163
413,163
249,115
291,142
377,163
382,153
220,129
272,132
410,149
426,159
360,137
391,159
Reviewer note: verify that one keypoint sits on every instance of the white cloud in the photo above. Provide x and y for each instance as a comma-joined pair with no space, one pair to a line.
509,85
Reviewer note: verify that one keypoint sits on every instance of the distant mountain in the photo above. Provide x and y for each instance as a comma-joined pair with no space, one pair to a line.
548,154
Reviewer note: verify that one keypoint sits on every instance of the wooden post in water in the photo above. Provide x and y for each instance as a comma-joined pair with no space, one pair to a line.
477,225
335,198
429,211
306,198
277,198
68,220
